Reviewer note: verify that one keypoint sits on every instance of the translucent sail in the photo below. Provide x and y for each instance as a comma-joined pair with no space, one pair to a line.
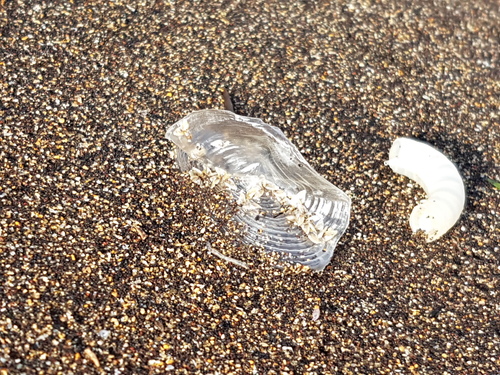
285,205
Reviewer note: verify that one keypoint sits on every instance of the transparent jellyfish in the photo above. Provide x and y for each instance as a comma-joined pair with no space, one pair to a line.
283,203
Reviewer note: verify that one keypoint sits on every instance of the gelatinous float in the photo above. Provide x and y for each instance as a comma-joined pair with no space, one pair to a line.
283,203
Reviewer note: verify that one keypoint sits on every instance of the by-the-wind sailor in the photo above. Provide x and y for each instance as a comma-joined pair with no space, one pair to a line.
285,205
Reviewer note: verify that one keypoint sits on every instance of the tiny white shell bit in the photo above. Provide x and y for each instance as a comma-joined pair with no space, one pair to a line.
285,205
439,178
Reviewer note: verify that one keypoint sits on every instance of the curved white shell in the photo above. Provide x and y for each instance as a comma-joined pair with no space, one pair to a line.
286,206
439,178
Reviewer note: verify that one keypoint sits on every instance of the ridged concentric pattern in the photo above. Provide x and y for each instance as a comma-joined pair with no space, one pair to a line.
286,205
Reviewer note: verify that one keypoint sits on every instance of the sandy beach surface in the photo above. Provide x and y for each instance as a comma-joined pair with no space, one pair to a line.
104,267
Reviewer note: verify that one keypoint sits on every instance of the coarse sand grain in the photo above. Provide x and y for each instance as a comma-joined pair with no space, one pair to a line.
104,263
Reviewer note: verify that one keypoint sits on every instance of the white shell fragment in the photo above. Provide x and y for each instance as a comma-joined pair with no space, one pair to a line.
285,205
439,178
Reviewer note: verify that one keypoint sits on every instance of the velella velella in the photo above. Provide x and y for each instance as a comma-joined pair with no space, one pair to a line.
285,206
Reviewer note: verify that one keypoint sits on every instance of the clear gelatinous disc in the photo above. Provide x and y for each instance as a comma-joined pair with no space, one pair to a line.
284,204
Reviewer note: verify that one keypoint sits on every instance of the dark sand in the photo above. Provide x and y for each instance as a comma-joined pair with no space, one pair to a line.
103,259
